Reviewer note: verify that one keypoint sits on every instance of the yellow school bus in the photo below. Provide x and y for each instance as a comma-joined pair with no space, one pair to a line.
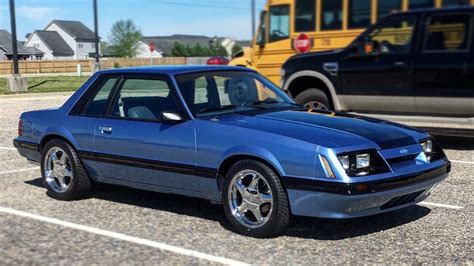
329,24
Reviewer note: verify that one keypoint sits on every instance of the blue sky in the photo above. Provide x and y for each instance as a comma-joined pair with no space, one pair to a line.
154,17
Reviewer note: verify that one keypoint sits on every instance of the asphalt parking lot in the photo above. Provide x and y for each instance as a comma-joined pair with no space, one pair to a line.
120,225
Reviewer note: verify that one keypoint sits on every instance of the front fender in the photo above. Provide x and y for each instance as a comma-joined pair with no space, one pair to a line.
253,151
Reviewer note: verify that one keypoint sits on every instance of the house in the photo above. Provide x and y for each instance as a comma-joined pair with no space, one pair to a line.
75,34
164,44
51,44
24,53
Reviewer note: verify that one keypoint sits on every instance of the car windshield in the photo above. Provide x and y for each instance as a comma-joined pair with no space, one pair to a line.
223,92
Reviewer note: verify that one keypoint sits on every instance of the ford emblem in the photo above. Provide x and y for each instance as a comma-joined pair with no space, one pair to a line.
403,151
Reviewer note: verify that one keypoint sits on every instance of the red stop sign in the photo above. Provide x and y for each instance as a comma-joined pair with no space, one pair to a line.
152,46
302,43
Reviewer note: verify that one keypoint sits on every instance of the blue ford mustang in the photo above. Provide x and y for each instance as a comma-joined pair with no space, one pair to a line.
228,135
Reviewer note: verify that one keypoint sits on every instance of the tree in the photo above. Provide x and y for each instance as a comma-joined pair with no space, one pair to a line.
178,50
123,38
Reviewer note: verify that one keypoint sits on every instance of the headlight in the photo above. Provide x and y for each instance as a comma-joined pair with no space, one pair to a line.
430,154
363,163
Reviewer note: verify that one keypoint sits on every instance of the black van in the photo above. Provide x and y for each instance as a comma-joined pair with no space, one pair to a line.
418,62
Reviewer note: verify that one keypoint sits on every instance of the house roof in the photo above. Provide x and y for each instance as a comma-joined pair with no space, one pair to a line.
55,43
6,45
165,43
76,29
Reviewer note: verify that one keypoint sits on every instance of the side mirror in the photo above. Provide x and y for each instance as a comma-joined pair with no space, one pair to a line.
172,117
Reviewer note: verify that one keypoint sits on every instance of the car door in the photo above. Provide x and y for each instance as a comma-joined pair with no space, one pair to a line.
444,80
376,75
133,146
88,111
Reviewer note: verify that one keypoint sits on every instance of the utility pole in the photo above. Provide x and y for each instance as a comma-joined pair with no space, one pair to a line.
96,37
253,18
16,70
15,83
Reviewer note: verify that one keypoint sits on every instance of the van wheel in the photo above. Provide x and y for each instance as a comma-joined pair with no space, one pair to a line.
63,174
314,99
254,200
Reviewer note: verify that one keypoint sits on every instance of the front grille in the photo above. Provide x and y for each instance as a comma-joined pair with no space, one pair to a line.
402,159
401,200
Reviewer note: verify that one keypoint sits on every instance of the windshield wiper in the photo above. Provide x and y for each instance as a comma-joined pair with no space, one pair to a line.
216,109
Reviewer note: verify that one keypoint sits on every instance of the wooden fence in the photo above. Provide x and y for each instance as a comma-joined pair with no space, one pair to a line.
70,66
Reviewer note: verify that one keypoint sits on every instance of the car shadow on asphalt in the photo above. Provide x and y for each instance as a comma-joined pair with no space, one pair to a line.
301,227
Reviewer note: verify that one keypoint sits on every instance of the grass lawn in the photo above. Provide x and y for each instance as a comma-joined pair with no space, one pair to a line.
48,84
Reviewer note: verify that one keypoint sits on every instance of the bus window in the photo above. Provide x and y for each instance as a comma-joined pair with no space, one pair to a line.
331,14
279,23
456,2
387,7
360,14
415,4
305,15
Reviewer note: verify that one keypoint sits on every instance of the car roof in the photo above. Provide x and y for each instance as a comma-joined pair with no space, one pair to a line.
173,69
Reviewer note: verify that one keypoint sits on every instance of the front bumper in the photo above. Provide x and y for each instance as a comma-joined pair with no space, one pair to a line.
340,200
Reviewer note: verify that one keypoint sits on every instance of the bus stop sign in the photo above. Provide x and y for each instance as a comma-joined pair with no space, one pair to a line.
302,44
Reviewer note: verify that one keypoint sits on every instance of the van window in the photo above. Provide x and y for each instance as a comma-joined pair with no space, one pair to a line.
331,14
305,15
456,2
388,7
279,23
448,33
417,4
360,15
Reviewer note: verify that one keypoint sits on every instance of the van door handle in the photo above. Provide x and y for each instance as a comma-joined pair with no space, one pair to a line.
400,64
105,130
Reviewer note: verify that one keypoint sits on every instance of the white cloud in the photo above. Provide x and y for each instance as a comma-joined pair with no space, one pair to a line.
36,13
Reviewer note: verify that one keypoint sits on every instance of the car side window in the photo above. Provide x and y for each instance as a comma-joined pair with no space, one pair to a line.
97,106
143,99
202,94
448,33
279,23
393,35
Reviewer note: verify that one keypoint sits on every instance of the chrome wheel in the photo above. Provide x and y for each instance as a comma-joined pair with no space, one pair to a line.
316,106
58,170
250,198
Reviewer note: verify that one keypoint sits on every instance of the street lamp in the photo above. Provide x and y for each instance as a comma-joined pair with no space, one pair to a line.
96,37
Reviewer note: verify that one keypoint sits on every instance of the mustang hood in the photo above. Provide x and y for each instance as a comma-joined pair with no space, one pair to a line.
339,129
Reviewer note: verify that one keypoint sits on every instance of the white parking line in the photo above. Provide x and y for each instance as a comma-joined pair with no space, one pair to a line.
464,162
7,148
123,237
454,207
19,170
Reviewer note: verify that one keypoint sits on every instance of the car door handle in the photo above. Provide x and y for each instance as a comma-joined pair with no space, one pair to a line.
105,130
399,64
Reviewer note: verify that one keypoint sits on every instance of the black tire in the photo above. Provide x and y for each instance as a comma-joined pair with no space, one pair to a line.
81,184
280,215
313,95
